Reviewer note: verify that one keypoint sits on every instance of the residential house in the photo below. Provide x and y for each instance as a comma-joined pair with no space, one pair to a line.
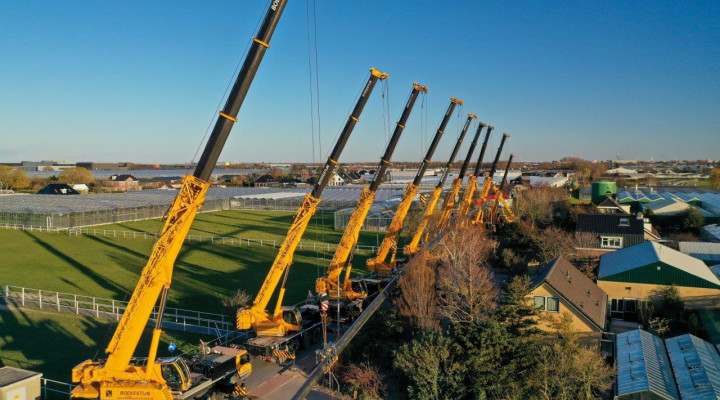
337,180
640,272
123,183
265,181
559,287
612,206
611,231
58,188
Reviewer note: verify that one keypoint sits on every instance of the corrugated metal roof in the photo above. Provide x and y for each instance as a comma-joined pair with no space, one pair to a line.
696,366
701,250
643,366
647,253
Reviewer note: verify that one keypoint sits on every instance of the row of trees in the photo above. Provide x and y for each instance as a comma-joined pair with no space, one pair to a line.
16,179
455,335
473,341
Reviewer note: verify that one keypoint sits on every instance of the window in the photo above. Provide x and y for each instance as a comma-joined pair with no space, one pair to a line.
624,221
610,242
543,303
553,304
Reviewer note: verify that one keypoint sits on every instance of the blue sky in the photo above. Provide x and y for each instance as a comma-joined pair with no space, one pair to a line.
140,81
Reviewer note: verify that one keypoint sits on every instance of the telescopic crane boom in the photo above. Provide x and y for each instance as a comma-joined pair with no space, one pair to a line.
330,284
282,321
450,197
499,198
413,246
471,187
378,263
488,184
116,377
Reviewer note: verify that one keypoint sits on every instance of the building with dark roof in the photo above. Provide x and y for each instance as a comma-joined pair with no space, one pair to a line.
123,182
612,206
265,181
560,287
58,188
641,271
612,231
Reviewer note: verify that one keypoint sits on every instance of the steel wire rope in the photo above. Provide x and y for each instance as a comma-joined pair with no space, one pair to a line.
317,77
310,80
112,327
227,88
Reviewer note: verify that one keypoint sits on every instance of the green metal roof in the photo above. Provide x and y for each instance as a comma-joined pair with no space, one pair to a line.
660,273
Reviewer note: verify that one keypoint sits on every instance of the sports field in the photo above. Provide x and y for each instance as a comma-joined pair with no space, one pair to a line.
205,272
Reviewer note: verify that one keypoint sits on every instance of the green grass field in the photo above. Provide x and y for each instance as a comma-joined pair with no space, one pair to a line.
204,273
54,343
110,266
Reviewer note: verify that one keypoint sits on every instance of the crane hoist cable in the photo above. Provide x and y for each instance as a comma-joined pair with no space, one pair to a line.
231,81
310,80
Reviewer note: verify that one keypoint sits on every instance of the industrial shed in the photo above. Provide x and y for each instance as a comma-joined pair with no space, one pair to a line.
636,273
696,366
643,368
709,253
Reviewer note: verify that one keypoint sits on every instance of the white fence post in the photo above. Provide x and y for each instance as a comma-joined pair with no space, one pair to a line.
57,294
77,307
40,297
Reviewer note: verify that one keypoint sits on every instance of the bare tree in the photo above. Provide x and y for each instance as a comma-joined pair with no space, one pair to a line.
554,242
237,300
418,300
365,379
467,292
539,205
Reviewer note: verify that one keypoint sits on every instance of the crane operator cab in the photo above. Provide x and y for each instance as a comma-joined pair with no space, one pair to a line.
175,372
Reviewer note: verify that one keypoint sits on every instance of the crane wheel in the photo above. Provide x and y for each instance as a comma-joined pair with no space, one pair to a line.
316,335
306,340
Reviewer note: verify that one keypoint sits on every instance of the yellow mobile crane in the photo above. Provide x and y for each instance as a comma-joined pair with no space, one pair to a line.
507,212
330,284
378,263
117,377
280,331
450,197
471,187
414,244
488,184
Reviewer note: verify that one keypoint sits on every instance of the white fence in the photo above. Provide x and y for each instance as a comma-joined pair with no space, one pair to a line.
98,307
235,241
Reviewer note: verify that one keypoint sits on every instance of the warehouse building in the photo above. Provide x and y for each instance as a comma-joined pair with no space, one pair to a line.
639,272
